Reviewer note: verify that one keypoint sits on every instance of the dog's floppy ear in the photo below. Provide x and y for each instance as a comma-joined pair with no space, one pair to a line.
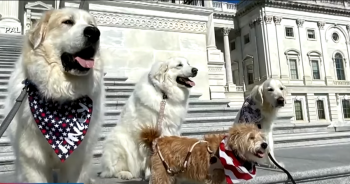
160,72
257,94
37,34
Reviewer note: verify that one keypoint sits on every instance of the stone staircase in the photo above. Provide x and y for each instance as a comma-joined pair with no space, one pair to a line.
204,116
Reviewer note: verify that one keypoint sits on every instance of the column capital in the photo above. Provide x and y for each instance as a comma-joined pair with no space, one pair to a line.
300,22
347,26
259,21
321,24
225,31
268,19
252,24
277,20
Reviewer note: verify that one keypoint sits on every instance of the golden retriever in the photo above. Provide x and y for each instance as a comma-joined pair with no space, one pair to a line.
176,158
261,107
61,116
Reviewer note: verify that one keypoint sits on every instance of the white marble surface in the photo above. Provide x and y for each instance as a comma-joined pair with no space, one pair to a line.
131,52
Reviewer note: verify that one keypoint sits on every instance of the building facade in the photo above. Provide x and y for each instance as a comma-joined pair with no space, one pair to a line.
305,44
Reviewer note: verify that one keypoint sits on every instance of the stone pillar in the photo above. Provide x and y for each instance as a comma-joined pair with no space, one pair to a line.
229,80
10,23
283,64
215,60
327,65
208,3
303,59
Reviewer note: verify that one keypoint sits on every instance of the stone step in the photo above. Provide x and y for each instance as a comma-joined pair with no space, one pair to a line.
192,103
192,112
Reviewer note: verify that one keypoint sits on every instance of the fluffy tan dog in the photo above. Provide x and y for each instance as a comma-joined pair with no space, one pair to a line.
176,158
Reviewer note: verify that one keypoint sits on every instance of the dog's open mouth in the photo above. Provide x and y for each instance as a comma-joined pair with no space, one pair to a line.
260,154
82,61
185,81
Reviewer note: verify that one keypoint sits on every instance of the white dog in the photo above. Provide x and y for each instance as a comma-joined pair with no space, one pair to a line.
261,107
123,157
61,116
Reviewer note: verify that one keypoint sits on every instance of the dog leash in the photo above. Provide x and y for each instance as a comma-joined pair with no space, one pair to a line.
283,169
8,119
161,112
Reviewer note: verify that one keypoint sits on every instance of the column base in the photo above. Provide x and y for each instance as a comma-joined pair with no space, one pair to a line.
329,80
216,73
307,80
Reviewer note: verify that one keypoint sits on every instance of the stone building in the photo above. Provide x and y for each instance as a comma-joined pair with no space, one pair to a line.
235,46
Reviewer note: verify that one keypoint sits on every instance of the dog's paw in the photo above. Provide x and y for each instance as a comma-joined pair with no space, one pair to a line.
147,174
124,175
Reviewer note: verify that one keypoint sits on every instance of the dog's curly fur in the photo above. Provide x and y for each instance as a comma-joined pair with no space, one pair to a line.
244,139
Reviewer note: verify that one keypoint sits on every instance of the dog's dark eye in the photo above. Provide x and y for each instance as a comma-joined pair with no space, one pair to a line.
68,22
251,138
270,89
179,65
281,89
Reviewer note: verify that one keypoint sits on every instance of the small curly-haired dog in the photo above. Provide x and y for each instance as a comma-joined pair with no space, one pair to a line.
219,158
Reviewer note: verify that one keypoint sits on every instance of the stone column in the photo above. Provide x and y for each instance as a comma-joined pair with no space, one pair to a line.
10,23
229,80
327,66
303,59
215,60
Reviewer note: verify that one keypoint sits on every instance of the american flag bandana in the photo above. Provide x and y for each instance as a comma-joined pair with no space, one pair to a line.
63,125
234,171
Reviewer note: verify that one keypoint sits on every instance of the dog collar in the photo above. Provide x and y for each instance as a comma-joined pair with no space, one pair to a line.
235,172
63,125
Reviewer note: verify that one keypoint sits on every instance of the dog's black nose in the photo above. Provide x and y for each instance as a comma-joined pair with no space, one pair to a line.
280,101
194,71
92,34
264,145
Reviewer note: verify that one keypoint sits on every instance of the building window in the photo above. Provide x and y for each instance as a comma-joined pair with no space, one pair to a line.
320,109
246,39
311,34
315,69
289,32
335,37
346,108
298,110
233,45
250,74
339,66
293,68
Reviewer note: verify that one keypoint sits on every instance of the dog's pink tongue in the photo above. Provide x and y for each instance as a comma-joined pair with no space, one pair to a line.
191,83
86,63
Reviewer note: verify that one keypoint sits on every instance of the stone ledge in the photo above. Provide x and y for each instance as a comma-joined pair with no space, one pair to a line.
319,174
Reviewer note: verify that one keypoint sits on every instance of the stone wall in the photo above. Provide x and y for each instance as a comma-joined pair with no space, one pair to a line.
131,52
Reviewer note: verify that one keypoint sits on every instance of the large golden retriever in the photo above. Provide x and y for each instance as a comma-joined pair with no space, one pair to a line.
57,125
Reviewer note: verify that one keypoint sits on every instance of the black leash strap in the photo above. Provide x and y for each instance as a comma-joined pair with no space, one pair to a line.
283,169
13,111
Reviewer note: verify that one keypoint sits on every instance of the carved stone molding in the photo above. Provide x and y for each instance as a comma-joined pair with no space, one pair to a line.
268,19
259,21
300,22
225,31
277,20
252,24
122,20
321,24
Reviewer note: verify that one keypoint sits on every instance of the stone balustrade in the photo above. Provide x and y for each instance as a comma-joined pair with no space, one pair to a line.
224,6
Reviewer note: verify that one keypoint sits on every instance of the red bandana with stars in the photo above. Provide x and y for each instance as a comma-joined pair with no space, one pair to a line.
63,125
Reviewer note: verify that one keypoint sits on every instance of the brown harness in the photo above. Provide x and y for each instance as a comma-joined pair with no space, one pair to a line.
155,146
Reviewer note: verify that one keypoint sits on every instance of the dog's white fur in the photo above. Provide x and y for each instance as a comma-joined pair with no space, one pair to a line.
265,96
41,63
123,157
